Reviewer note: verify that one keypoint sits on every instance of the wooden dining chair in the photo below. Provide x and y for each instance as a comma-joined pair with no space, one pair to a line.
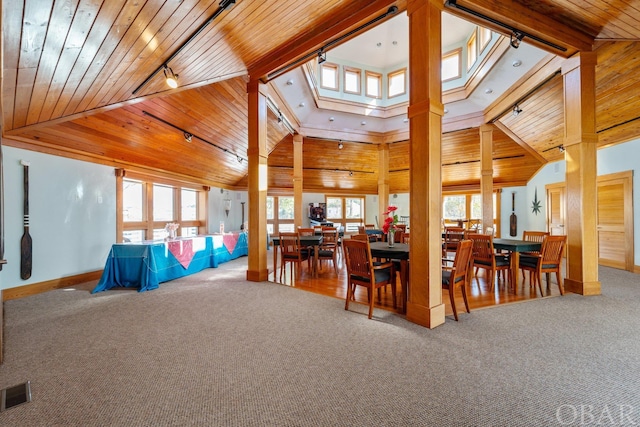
484,256
329,248
362,271
452,236
456,275
292,253
548,261
532,236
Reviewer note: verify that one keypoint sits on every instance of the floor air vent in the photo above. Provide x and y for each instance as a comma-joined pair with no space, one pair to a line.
14,396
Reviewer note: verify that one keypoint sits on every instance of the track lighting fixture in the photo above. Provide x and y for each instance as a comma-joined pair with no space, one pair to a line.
516,38
224,5
350,173
516,110
170,77
188,137
239,159
561,148
340,145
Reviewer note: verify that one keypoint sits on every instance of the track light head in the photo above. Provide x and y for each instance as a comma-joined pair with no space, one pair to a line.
516,110
516,38
188,137
170,77
322,56
239,159
561,148
340,145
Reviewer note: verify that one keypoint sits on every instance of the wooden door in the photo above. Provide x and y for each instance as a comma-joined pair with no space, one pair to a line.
556,208
615,220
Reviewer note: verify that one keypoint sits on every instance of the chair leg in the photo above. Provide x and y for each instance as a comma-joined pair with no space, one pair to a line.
559,279
539,280
464,297
453,302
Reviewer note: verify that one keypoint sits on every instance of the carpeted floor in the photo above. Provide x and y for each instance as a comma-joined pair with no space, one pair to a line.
214,350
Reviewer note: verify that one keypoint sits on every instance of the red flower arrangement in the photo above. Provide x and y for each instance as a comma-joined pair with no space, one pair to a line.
391,219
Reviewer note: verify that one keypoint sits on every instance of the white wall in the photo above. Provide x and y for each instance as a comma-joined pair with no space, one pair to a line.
216,209
619,158
72,210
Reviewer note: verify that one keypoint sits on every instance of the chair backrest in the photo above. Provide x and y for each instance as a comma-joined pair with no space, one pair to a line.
482,247
534,236
358,258
329,237
289,243
370,226
462,259
552,249
306,231
397,236
406,238
360,236
361,229
453,234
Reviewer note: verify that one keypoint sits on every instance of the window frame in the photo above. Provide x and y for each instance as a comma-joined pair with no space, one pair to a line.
343,221
403,72
378,77
336,70
147,225
472,50
276,222
484,37
457,53
358,73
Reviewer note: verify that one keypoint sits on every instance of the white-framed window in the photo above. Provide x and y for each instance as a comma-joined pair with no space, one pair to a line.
397,83
373,84
329,76
352,80
451,65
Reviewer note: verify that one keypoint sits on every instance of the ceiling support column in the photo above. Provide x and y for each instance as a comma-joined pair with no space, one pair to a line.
486,177
425,306
580,143
297,181
383,182
257,270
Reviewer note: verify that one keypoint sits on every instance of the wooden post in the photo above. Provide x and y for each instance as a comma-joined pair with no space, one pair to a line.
580,143
486,178
257,270
383,181
297,181
425,112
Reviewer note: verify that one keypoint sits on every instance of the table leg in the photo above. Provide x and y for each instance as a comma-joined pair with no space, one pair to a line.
515,262
316,249
275,263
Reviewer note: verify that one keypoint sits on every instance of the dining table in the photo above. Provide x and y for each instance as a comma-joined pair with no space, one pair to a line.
400,252
144,265
313,241
515,247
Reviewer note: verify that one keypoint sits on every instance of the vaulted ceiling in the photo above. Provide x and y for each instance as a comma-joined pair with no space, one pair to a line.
75,83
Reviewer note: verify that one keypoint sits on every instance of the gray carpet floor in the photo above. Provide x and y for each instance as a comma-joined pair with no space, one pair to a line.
215,350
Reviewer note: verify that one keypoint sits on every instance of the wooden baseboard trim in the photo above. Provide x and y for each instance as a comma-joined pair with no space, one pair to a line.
49,285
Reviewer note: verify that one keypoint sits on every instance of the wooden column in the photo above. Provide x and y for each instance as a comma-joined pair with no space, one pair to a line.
297,181
425,112
383,181
486,177
257,270
580,143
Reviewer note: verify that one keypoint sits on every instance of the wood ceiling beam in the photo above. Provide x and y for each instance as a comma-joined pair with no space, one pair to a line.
518,16
334,26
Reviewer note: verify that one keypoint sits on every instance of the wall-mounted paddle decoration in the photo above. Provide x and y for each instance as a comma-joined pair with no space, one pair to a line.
25,242
513,219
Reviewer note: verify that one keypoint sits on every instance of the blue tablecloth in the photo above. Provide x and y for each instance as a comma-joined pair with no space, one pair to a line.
146,265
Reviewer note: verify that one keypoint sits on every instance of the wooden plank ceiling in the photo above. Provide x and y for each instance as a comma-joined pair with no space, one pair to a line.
71,69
